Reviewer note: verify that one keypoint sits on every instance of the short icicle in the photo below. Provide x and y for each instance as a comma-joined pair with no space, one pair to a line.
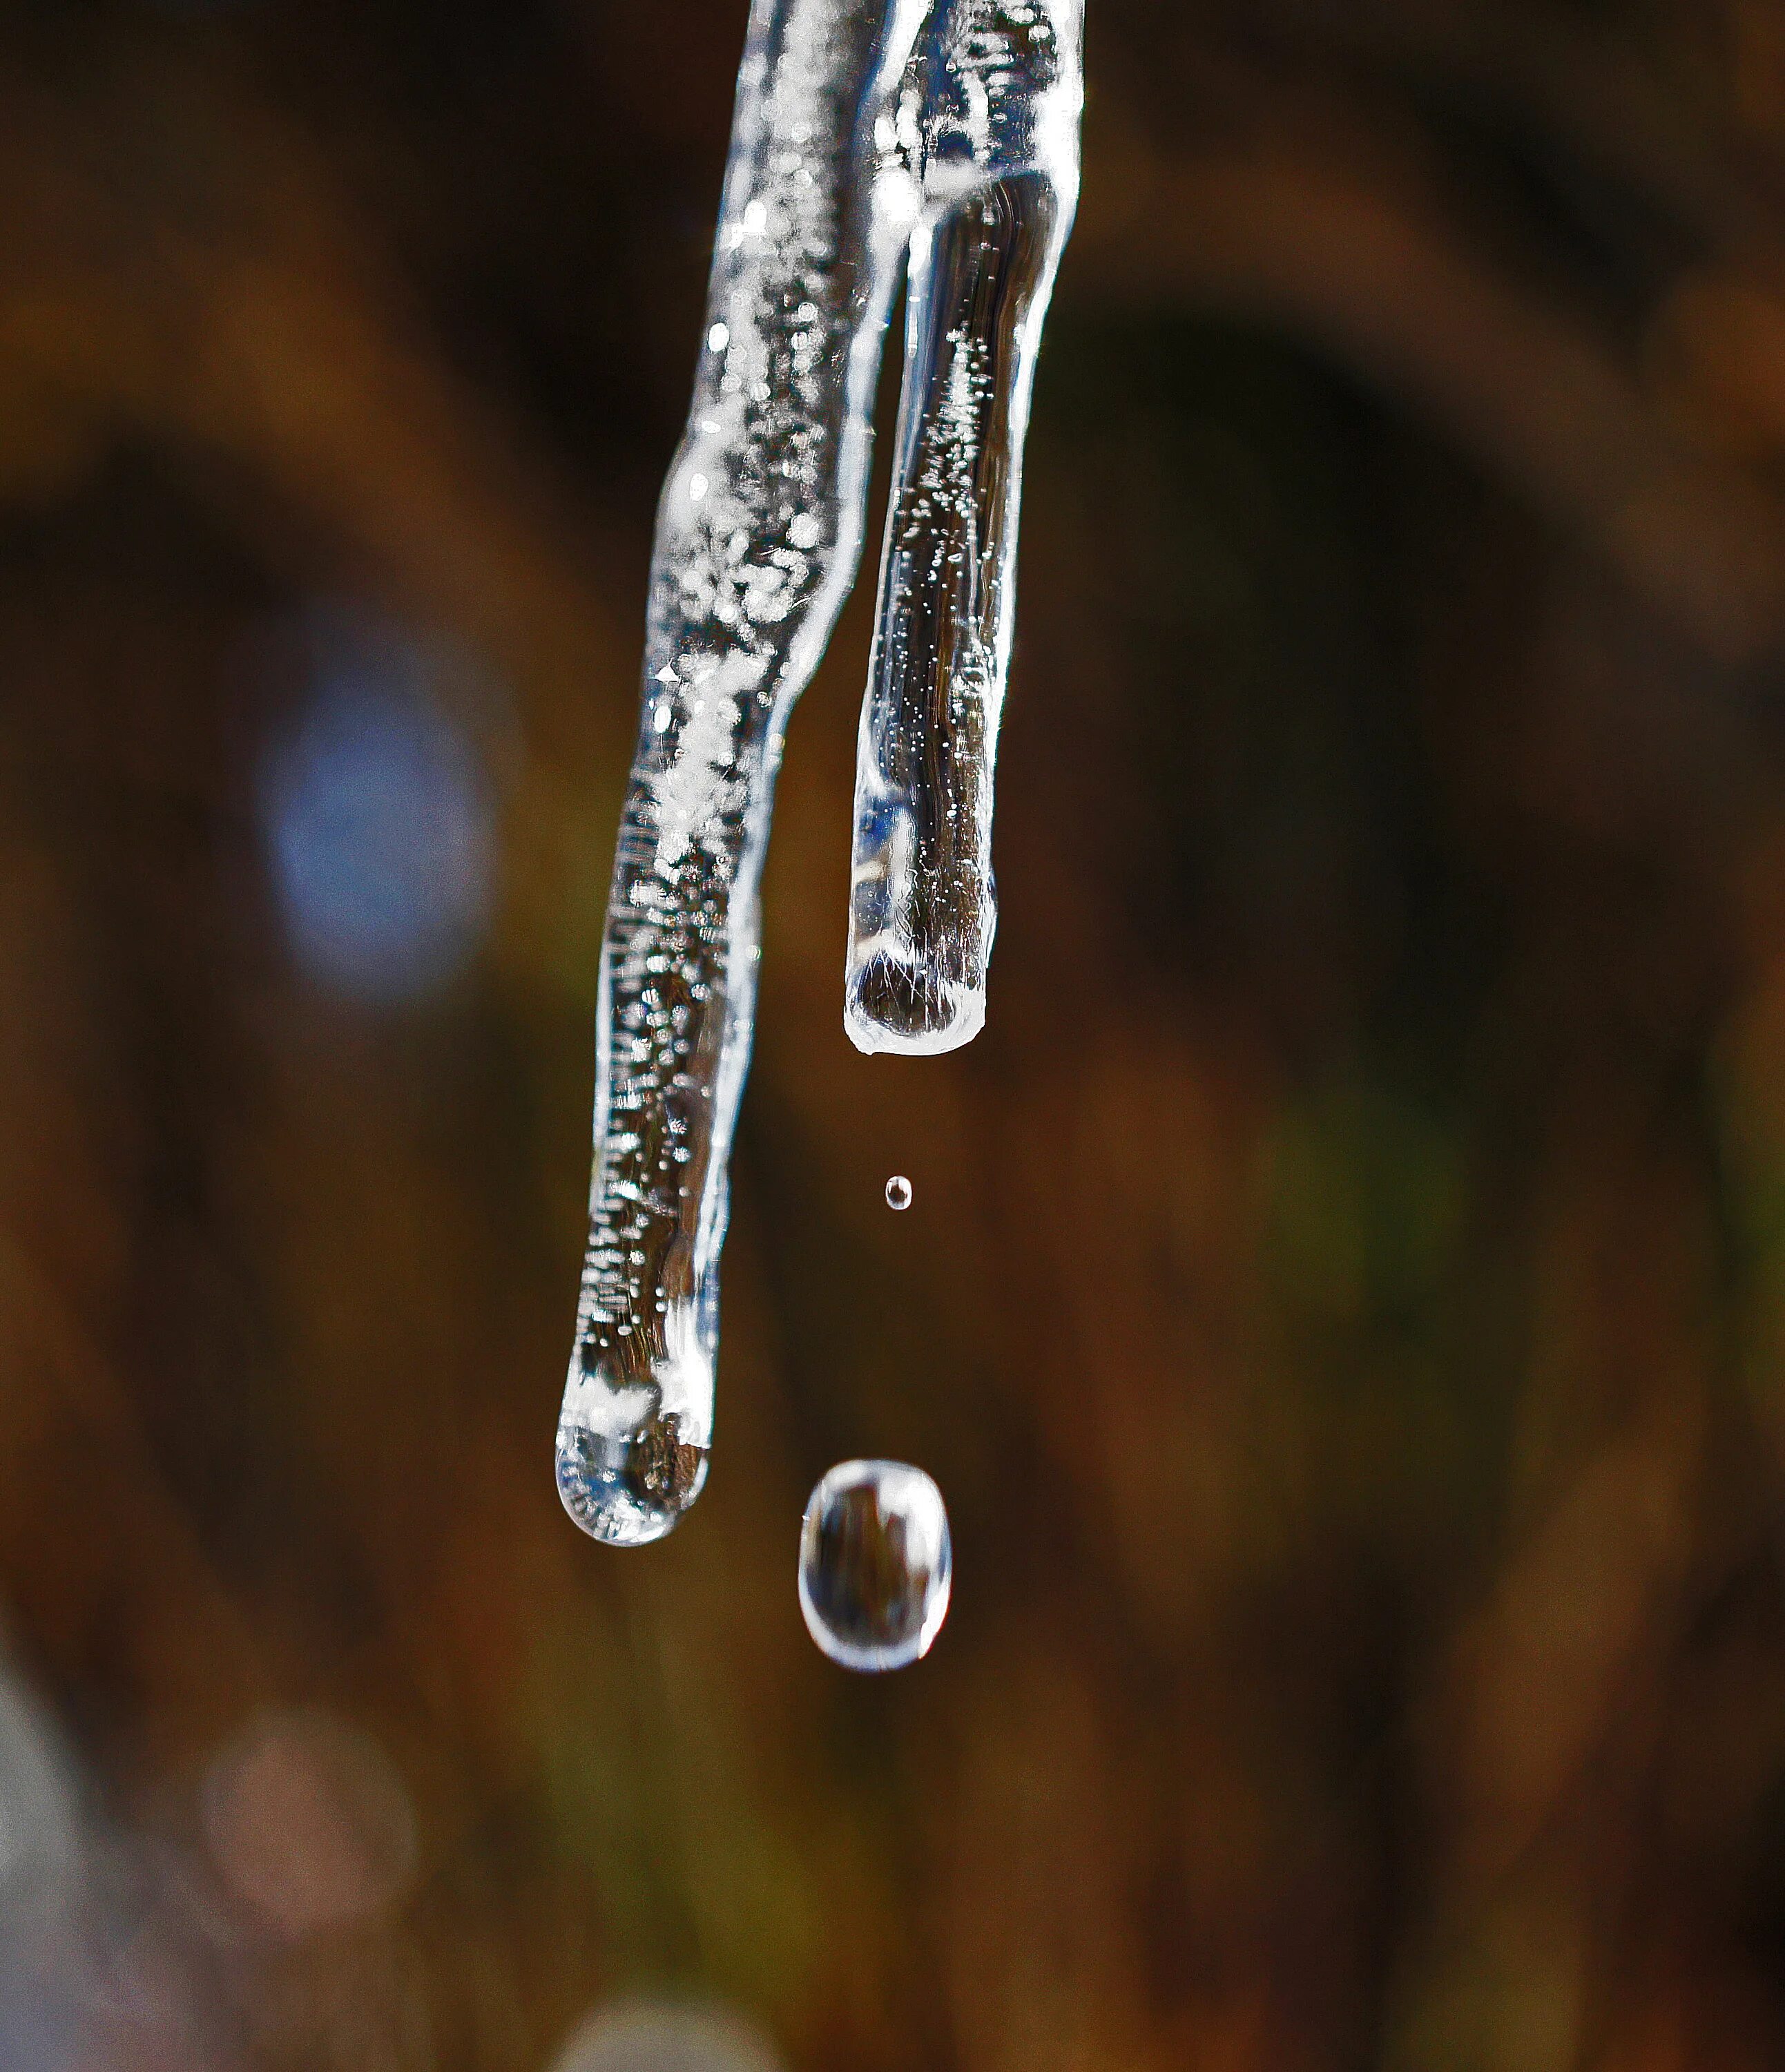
999,168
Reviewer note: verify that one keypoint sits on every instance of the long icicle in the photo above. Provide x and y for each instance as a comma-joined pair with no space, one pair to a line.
758,537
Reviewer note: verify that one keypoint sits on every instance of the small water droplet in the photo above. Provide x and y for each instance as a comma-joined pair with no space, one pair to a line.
898,1192
875,1565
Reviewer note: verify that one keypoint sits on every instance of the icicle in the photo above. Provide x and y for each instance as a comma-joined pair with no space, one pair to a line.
1000,177
758,537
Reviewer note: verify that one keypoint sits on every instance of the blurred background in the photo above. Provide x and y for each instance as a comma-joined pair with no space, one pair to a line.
1344,1297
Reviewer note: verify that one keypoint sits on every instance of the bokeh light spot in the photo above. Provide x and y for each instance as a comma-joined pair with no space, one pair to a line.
378,818
309,1822
643,2037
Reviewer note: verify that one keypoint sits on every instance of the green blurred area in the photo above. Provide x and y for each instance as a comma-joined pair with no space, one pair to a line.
1343,1302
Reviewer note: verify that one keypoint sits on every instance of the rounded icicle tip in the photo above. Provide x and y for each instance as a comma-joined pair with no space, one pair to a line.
629,1491
875,1565
890,1007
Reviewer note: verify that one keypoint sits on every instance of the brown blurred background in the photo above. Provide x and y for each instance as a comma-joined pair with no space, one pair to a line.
1344,1299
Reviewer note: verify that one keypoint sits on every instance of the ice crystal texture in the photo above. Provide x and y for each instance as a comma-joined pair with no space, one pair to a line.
997,171
865,130
875,1565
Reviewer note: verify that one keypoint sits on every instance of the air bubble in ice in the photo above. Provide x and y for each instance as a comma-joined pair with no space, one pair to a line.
898,1192
875,1565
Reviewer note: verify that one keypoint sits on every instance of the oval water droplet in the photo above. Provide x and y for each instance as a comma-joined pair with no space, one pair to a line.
898,1192
875,1565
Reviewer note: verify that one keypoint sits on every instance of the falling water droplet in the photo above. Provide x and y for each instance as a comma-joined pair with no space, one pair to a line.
875,1565
898,1192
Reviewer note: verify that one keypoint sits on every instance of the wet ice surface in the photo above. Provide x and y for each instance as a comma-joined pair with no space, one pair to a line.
855,139
999,178
875,1565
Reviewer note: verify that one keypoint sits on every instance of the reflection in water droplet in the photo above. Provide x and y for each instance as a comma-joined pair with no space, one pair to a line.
898,1192
876,1565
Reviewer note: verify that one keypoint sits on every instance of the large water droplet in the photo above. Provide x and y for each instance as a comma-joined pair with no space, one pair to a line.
898,1192
876,1565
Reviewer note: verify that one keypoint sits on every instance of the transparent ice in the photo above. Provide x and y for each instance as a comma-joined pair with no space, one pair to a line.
998,171
875,1565
861,125
898,1192
758,536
